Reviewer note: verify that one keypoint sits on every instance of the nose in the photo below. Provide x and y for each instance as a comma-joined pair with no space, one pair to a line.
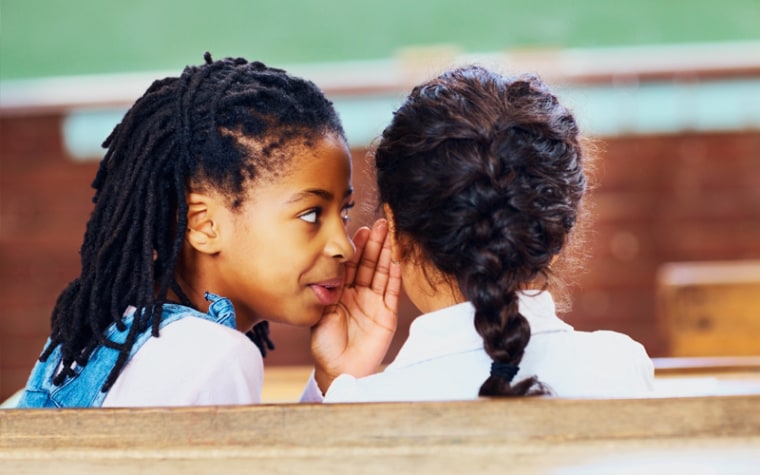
340,246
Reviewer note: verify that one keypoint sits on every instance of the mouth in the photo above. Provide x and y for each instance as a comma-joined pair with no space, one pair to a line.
328,291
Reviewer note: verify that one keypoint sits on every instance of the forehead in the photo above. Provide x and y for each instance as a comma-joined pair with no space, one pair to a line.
322,163
326,156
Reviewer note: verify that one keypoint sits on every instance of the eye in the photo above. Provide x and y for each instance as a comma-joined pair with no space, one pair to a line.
311,216
344,212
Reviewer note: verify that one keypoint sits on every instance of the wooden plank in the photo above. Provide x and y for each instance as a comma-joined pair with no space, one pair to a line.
706,365
683,456
707,376
711,308
527,435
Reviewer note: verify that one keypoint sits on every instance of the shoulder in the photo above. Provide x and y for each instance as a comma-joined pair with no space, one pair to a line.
193,361
615,343
194,329
204,345
606,342
191,334
591,364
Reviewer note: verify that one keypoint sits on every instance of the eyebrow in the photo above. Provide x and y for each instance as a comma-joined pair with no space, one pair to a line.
324,194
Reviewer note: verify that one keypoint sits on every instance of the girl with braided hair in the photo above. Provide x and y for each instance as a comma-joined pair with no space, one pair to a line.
221,203
482,179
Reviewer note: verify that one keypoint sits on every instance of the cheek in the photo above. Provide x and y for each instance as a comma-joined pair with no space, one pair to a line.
286,259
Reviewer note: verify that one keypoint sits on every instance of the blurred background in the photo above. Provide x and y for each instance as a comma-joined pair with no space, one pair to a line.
670,91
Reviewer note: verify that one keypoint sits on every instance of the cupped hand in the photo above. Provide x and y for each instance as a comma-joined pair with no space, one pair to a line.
353,336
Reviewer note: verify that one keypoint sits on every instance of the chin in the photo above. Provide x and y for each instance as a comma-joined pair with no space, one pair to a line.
306,318
313,321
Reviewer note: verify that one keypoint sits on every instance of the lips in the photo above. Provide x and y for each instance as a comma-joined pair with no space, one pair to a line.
328,291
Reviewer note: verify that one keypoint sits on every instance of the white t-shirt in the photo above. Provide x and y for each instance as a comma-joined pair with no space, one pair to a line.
444,359
193,362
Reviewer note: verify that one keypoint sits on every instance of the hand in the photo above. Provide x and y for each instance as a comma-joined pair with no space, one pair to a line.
353,336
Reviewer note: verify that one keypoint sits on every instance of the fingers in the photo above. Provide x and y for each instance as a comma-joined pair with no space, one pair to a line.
360,240
375,257
393,288
382,269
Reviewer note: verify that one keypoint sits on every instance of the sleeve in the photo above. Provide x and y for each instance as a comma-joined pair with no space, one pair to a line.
344,388
312,393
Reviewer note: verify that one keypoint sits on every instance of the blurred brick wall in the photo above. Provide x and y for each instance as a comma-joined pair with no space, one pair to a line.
658,199
687,197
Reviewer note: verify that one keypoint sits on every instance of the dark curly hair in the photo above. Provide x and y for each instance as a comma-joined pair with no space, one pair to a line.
484,175
219,125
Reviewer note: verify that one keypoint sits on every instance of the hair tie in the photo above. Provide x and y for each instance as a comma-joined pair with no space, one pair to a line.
505,371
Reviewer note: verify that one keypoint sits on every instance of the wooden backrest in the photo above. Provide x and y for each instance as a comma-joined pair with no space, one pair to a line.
523,435
710,308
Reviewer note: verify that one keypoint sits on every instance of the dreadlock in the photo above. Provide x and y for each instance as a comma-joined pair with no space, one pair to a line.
194,130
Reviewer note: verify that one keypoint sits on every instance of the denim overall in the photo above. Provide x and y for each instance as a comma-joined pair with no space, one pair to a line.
83,389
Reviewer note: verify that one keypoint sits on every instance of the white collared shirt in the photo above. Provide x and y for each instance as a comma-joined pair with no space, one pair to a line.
194,362
443,359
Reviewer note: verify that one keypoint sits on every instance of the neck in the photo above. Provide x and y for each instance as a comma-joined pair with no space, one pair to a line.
189,276
195,294
429,290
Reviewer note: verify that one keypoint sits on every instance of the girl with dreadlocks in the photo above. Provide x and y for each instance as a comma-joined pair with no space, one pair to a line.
221,203
481,178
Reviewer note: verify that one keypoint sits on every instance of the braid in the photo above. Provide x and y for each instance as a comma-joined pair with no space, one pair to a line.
194,130
483,175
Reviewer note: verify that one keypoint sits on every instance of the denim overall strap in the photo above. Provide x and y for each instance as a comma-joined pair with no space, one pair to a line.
84,388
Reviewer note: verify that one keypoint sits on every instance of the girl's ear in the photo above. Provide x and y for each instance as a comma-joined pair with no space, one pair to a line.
202,230
395,248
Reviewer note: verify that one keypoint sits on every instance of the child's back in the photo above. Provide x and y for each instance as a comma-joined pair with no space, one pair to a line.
443,359
482,178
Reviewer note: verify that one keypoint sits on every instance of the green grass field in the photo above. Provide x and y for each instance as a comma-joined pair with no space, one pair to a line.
54,37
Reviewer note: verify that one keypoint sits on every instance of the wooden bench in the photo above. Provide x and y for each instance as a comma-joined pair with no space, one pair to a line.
707,376
710,308
724,366
525,435
717,434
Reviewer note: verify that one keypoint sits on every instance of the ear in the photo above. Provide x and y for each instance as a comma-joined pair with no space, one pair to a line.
395,247
202,230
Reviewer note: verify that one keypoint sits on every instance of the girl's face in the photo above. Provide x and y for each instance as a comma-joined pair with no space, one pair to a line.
283,260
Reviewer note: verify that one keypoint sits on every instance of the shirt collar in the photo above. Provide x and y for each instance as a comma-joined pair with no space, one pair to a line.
451,330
